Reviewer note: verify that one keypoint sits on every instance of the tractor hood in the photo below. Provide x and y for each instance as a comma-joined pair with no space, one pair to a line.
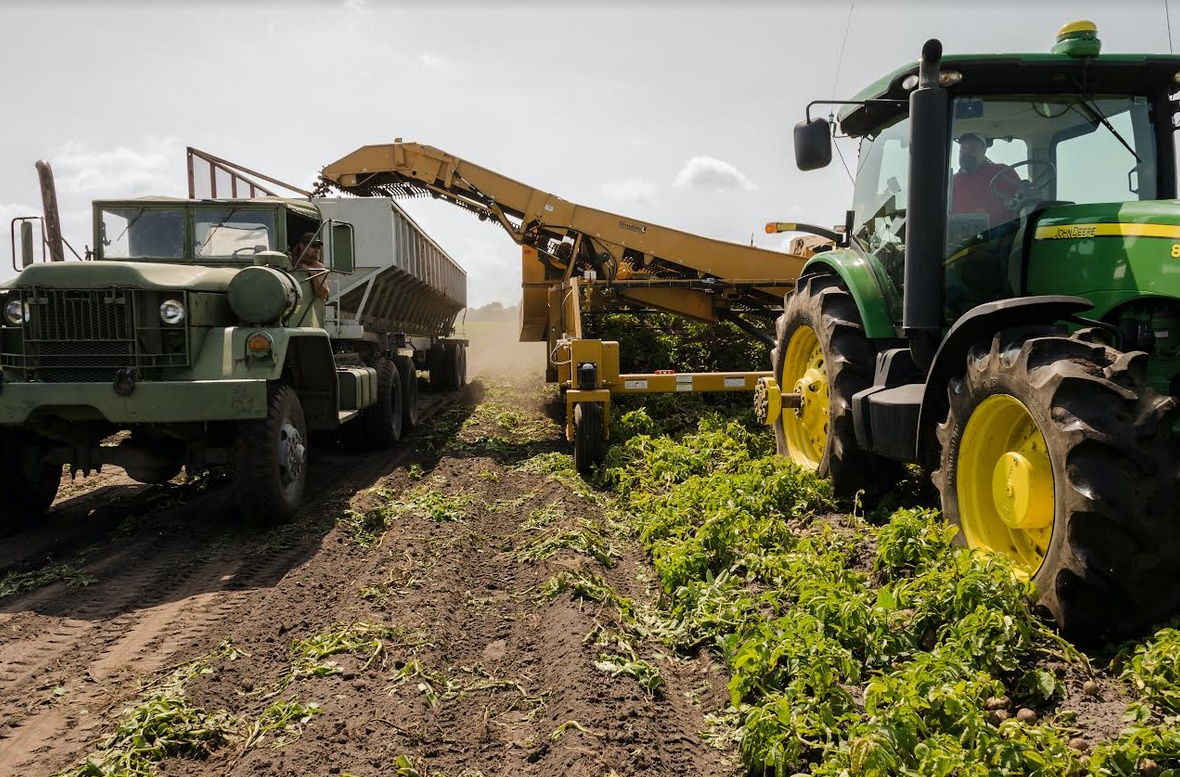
1111,253
137,275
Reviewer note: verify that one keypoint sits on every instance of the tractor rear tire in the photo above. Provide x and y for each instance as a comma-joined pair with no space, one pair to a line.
820,342
382,421
589,446
270,461
1058,454
409,375
28,481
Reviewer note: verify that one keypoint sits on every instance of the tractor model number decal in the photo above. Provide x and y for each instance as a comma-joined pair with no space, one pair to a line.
1176,250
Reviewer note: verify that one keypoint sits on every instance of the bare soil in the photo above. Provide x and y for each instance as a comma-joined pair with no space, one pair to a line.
482,676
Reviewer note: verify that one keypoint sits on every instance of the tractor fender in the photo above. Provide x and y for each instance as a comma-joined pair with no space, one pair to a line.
860,280
978,325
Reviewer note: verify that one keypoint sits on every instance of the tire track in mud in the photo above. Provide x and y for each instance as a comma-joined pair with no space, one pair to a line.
68,656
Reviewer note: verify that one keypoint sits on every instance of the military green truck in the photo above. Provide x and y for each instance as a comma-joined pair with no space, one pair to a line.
189,338
1015,331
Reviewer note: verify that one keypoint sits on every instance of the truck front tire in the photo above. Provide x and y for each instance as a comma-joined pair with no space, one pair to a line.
270,461
28,481
1057,454
382,421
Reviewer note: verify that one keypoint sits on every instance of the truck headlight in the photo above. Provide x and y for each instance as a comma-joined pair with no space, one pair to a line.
16,312
172,312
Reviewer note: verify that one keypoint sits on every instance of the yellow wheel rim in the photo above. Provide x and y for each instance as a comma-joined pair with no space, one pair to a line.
806,373
1005,483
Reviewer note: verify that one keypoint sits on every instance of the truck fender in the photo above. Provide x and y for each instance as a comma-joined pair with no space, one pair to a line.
309,368
977,325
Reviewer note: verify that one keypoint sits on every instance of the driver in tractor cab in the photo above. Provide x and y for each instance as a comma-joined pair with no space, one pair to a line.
981,185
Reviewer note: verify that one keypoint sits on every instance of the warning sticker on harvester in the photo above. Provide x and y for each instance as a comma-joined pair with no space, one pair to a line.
635,385
684,383
735,382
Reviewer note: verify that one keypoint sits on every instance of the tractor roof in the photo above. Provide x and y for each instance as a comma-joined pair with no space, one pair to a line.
1020,74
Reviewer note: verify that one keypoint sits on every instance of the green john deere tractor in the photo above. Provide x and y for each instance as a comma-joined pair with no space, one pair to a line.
1003,308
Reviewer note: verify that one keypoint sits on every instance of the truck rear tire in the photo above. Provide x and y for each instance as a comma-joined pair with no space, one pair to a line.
822,353
270,461
1057,454
589,447
28,481
382,421
409,375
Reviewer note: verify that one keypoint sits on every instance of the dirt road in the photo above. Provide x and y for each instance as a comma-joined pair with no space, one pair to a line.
422,616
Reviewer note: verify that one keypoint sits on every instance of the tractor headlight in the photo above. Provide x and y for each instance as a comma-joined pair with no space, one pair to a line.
16,312
172,312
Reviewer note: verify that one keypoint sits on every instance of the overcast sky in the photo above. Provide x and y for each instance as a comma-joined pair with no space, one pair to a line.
675,113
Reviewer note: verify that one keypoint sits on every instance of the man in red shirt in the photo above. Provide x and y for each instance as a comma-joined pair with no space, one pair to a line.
971,188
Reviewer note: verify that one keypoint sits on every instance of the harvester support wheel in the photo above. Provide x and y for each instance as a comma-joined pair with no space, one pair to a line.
589,445
270,461
409,375
28,481
1057,454
382,421
822,354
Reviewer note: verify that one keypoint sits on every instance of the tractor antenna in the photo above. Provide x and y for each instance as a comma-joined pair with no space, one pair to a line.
848,25
1168,19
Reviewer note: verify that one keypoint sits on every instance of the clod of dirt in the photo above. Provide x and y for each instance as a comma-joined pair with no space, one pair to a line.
1079,744
998,703
1025,715
1149,768
1090,688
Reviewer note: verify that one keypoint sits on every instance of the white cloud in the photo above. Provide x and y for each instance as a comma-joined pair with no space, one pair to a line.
357,5
432,61
632,190
153,169
705,172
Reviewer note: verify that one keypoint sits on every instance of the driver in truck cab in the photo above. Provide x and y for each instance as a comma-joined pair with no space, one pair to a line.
981,185
305,255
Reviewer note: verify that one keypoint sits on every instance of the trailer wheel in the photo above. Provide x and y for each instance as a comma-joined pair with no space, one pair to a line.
270,461
457,361
409,375
440,367
589,446
821,352
1057,454
28,481
382,421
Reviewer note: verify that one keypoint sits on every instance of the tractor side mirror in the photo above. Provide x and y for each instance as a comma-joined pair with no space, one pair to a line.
813,144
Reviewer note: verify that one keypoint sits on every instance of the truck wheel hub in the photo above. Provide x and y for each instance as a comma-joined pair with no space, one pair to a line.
292,453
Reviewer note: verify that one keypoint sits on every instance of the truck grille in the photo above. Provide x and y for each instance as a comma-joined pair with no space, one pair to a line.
88,335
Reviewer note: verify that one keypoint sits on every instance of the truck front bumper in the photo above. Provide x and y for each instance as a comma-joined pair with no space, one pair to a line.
149,402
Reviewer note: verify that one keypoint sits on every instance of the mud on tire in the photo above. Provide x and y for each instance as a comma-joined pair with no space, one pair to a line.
1112,562
822,304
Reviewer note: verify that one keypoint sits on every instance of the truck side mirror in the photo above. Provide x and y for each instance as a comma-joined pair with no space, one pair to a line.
343,259
813,144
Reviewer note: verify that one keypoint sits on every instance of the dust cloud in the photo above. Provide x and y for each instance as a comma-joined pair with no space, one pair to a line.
494,349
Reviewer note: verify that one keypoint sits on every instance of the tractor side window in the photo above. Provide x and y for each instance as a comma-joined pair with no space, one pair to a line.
880,196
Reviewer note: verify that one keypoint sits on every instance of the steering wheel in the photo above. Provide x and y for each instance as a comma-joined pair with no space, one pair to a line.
1024,191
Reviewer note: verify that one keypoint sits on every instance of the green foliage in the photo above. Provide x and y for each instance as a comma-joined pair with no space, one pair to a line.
1153,669
14,583
588,539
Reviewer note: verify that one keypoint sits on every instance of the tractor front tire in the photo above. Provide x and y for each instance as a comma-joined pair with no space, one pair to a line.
1057,454
821,352
270,461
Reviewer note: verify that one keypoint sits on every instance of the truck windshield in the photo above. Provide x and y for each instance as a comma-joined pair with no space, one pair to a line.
232,233
142,233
